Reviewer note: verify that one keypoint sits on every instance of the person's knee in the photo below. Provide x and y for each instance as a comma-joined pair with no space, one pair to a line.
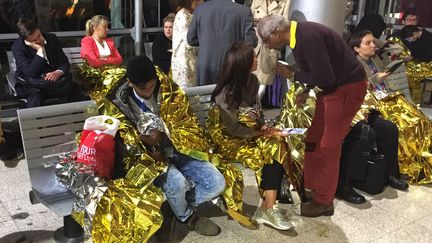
215,182
219,182
175,183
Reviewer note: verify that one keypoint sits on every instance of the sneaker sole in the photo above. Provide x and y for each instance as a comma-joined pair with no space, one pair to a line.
268,223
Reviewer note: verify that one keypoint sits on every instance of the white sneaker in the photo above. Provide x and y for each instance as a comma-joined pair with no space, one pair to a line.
272,217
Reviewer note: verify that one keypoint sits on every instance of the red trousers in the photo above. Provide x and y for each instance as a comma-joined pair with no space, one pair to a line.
330,124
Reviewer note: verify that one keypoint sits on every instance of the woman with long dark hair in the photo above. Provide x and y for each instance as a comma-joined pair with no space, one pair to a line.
237,127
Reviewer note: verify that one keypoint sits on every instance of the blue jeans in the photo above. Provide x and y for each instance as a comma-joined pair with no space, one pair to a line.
190,182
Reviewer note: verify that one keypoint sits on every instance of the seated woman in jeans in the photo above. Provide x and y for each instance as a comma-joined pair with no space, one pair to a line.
237,127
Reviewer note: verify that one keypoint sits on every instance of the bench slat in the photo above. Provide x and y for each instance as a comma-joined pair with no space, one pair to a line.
200,107
200,90
55,110
72,49
73,55
39,153
199,99
41,162
45,122
58,130
49,141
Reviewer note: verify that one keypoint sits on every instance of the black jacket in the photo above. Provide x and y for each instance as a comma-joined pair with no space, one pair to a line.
421,49
31,65
162,52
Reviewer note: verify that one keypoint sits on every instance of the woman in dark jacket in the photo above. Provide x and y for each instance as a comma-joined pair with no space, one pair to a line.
162,45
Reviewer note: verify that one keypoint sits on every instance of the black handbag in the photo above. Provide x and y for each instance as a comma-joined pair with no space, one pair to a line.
284,193
376,175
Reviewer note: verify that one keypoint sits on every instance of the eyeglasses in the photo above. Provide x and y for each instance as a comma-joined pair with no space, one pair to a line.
267,39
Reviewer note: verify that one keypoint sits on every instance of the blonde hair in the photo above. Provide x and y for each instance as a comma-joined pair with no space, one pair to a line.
94,22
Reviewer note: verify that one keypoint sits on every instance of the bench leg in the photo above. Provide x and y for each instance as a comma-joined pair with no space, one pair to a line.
70,232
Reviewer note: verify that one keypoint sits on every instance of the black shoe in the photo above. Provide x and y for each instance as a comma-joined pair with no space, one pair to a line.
11,156
203,226
397,183
350,195
171,230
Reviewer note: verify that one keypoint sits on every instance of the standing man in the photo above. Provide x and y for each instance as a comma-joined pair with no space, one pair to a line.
324,61
216,25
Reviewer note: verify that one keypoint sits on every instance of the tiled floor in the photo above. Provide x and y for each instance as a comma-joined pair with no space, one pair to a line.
391,216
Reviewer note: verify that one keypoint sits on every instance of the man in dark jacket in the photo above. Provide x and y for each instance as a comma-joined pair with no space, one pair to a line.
324,61
42,66
215,26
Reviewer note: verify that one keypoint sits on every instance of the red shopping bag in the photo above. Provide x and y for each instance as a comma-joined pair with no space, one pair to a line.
96,147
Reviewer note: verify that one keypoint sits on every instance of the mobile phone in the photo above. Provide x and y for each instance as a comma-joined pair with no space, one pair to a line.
394,67
283,63
290,131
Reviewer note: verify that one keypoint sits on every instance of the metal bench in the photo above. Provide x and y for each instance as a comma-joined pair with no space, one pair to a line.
46,132
72,53
148,47
200,100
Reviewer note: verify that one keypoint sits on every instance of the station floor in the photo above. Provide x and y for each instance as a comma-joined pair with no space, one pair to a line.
392,216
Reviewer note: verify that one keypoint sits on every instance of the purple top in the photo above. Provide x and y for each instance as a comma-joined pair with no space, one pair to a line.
324,59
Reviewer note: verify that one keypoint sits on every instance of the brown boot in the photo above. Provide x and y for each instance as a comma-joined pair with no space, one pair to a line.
315,209
308,195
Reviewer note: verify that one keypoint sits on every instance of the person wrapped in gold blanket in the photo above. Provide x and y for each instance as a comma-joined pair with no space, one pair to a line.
237,128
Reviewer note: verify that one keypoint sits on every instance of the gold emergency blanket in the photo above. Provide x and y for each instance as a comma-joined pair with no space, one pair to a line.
253,153
415,129
186,134
129,211
293,116
415,134
416,71
99,81
189,138
130,208
370,102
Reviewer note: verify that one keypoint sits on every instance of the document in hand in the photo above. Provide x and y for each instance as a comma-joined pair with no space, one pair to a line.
290,131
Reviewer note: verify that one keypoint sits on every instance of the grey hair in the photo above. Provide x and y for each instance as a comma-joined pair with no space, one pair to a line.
270,24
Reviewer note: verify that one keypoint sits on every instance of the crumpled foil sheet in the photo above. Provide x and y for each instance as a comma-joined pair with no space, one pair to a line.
99,81
116,211
80,179
131,204
415,129
415,134
416,71
253,153
149,121
189,138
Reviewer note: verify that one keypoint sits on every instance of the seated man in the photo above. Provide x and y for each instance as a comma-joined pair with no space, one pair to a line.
418,41
42,66
188,181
